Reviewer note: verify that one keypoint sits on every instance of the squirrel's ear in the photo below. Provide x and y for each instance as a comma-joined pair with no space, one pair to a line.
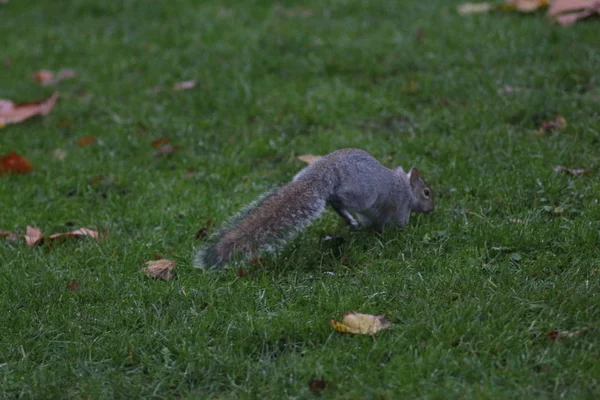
400,171
413,176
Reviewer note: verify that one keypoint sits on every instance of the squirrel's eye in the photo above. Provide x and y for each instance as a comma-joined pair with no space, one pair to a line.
426,192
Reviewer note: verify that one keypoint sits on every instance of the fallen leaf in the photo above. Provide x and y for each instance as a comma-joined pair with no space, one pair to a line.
553,211
570,18
308,158
510,89
33,236
59,154
526,5
46,77
292,12
160,142
43,76
572,171
561,6
259,260
203,231
165,150
316,386
553,335
184,85
75,233
549,126
190,173
65,123
73,286
8,62
474,8
8,235
240,273
365,324
15,164
86,141
162,269
13,113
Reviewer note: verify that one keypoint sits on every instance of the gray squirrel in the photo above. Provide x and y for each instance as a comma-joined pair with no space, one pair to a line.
350,180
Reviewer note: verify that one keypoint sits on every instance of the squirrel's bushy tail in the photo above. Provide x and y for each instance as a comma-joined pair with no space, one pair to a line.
264,225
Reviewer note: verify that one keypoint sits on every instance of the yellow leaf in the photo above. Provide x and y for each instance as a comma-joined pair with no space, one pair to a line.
526,5
365,324
162,269
474,8
308,158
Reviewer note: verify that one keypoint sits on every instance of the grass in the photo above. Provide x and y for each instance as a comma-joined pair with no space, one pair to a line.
470,294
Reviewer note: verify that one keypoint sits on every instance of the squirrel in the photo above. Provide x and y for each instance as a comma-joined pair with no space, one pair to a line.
350,180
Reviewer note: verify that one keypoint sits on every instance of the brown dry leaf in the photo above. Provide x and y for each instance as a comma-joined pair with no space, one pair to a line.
562,6
203,231
15,164
46,77
549,126
33,236
73,286
162,269
190,173
184,85
567,334
474,8
8,235
365,324
510,89
86,141
13,113
160,142
308,158
570,18
317,385
76,233
526,5
572,171
165,150
43,76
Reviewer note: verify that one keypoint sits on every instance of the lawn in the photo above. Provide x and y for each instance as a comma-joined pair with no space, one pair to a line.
475,291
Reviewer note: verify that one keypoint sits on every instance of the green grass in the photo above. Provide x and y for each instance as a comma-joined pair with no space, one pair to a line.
471,295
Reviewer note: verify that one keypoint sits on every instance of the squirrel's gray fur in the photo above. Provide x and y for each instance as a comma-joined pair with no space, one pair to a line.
350,180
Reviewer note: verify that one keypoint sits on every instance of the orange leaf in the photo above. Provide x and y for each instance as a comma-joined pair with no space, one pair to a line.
160,142
86,140
46,77
13,113
527,5
73,286
43,76
14,163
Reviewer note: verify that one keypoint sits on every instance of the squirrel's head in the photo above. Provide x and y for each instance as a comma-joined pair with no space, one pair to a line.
422,192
